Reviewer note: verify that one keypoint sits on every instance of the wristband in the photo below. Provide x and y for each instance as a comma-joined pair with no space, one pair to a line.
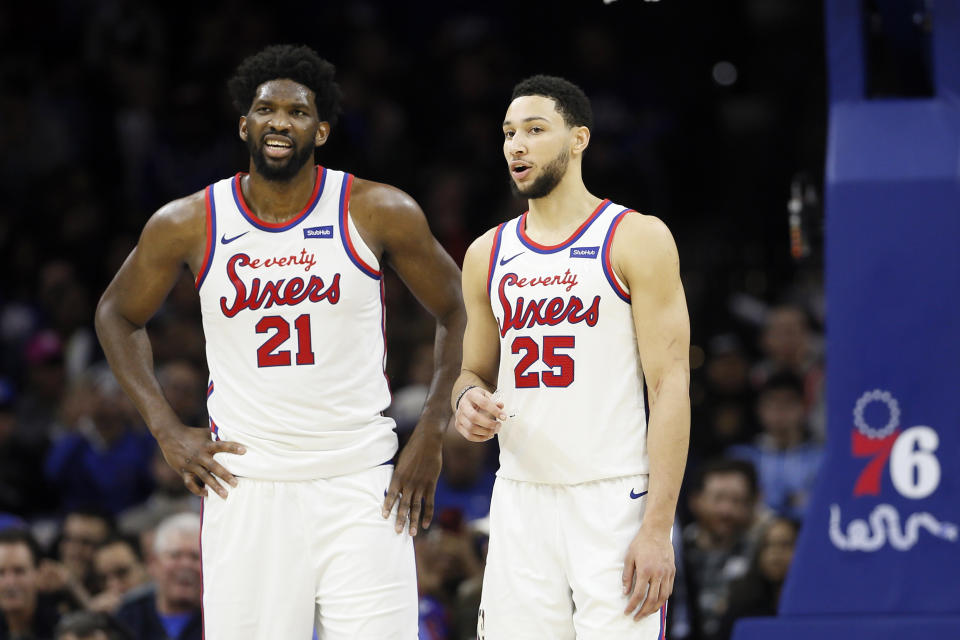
456,405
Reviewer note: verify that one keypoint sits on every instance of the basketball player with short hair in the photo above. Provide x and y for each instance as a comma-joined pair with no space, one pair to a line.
575,312
287,260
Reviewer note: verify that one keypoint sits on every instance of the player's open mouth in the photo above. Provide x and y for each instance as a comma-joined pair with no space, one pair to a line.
275,146
520,170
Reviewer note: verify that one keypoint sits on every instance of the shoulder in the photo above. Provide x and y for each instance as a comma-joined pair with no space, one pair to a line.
477,256
644,250
369,198
388,218
180,219
646,231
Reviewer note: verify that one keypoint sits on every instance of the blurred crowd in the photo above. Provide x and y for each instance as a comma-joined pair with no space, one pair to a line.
115,107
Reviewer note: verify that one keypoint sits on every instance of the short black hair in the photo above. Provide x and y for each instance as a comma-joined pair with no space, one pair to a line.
19,535
299,63
572,102
783,381
83,624
722,466
129,541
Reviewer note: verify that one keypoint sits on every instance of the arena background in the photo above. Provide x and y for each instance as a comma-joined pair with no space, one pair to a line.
710,115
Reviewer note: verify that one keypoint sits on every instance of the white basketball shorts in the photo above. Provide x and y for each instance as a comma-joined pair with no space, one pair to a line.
555,562
281,557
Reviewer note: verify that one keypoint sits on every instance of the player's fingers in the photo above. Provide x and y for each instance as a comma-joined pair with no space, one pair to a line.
428,507
193,484
480,417
641,584
652,601
390,497
208,479
403,510
220,471
223,446
416,505
627,577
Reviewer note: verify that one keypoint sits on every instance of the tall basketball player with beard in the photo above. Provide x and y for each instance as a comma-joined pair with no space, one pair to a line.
287,260
576,317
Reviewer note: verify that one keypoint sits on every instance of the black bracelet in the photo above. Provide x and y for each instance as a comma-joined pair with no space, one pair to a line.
456,405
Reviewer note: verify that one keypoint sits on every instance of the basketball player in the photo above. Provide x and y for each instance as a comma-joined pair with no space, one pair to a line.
287,260
575,312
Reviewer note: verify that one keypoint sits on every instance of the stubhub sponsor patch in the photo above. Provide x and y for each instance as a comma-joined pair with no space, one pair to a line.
584,252
318,232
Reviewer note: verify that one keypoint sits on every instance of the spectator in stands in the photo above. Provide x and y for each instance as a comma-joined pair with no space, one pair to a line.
119,570
717,546
757,593
24,613
105,461
783,455
81,533
725,415
90,625
170,611
45,386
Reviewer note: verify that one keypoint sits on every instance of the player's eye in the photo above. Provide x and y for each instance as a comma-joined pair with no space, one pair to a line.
508,134
536,129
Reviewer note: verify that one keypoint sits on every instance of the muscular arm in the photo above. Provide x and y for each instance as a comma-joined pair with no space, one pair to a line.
394,227
645,255
481,349
173,236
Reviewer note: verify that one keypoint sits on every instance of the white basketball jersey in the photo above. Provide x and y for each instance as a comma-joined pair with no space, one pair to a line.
293,316
570,372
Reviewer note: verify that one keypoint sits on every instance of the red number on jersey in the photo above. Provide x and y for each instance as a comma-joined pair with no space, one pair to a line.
265,354
551,377
555,360
521,379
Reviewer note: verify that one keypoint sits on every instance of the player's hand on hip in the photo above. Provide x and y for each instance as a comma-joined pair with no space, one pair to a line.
648,573
479,416
189,451
414,480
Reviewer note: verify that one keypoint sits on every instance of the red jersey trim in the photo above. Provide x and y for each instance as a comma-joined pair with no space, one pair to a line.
211,236
545,248
345,230
263,225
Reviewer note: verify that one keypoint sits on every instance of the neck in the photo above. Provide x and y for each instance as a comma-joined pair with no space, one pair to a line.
566,205
708,540
786,440
275,201
168,607
19,621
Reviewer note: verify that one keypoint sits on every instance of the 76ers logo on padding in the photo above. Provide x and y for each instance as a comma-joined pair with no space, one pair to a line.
915,473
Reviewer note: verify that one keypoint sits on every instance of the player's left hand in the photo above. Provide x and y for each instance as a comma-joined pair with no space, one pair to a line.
648,572
414,480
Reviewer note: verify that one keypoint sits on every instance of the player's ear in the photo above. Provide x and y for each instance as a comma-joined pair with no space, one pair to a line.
243,128
581,139
323,132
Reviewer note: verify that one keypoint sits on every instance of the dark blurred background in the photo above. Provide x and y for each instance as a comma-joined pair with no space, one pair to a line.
710,115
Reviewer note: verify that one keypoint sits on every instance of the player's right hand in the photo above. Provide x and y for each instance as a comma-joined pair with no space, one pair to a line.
189,451
479,416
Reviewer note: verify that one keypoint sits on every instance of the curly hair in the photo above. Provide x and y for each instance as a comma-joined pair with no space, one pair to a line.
572,102
298,63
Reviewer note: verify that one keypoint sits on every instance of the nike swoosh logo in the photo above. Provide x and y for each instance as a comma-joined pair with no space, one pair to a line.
504,261
225,240
635,495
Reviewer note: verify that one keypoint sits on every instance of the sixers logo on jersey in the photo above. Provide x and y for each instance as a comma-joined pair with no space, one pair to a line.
283,291
523,313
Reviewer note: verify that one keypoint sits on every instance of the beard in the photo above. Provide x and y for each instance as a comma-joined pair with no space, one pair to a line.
547,181
279,171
